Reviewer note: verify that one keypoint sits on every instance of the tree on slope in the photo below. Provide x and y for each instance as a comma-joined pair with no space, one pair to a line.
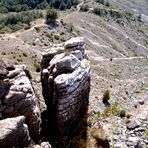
51,15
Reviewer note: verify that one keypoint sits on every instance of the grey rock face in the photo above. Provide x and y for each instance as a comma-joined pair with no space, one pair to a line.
17,98
14,133
66,83
48,54
74,42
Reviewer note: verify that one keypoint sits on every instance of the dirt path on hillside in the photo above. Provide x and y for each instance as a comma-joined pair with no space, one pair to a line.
95,57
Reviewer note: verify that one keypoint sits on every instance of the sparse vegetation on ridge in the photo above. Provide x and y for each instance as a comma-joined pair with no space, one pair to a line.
119,16
106,96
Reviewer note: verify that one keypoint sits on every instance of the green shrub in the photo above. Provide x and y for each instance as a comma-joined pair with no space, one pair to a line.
57,37
24,54
48,35
62,33
19,60
100,11
106,96
63,39
111,110
122,113
128,116
51,15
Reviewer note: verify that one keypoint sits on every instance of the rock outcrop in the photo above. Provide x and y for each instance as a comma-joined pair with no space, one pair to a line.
17,98
14,133
65,80
66,83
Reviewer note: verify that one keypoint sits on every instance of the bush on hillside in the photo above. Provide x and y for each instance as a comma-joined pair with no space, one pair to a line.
51,15
106,96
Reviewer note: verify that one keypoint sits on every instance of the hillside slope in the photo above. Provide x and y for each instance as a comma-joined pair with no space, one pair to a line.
136,6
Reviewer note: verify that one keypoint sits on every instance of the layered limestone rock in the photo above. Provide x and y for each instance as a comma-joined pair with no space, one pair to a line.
14,133
17,97
66,83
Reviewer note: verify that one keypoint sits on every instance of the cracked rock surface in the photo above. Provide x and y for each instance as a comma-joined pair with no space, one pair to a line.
66,83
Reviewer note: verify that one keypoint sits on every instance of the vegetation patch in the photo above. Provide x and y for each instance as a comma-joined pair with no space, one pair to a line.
16,21
111,110
25,5
51,15
106,96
